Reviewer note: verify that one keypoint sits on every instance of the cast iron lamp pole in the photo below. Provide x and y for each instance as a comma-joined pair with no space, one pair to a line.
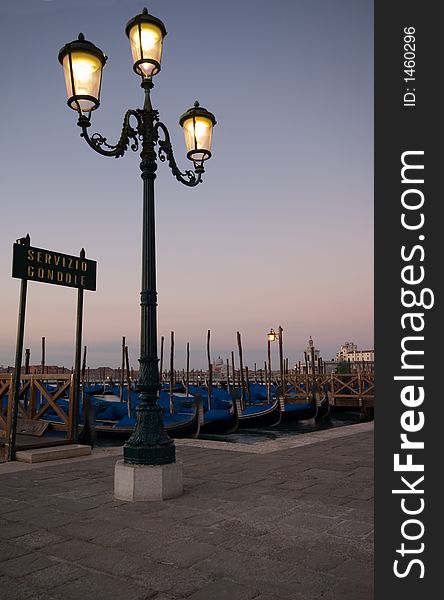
83,62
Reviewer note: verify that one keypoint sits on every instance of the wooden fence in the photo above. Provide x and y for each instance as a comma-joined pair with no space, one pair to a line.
38,394
344,389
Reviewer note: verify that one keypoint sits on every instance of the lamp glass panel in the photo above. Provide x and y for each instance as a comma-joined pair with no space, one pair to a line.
86,75
198,136
151,48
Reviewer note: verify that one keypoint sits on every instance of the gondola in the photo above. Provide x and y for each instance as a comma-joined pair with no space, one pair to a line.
105,423
296,408
219,421
221,417
257,415
322,403
177,425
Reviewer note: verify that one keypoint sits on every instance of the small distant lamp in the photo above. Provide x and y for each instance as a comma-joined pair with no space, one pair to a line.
197,124
82,65
146,34
272,335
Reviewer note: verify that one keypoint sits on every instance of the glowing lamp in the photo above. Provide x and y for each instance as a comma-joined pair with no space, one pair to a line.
272,335
146,34
197,124
82,64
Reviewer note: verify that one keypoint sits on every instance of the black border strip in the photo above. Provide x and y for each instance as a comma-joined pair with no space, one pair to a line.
403,128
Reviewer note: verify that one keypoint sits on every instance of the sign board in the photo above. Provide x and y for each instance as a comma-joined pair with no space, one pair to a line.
47,266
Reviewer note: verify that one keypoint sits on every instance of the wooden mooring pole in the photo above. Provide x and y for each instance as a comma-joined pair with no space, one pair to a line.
122,370
187,387
171,372
42,362
128,380
162,339
241,367
210,371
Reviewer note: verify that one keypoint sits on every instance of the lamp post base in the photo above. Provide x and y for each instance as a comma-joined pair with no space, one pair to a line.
149,455
139,483
149,443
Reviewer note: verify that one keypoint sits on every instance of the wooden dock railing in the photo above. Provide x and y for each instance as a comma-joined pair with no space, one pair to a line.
36,398
344,389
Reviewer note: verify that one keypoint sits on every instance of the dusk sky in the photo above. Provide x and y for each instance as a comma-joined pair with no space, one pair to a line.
279,233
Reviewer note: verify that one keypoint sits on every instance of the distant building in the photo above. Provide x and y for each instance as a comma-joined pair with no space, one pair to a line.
53,369
308,352
349,352
218,368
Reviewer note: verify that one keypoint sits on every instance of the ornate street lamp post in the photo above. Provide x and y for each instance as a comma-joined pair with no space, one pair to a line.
83,63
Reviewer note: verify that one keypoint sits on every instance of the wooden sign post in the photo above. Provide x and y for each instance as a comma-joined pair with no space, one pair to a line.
46,266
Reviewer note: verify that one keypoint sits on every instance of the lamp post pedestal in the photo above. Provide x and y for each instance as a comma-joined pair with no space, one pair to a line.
141,483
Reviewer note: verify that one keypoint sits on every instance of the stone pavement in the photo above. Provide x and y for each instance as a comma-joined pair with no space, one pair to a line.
287,523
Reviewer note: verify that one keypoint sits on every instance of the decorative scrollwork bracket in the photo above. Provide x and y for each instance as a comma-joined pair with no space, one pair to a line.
129,136
165,153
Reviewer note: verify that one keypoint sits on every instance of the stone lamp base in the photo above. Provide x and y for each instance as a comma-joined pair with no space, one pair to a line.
138,483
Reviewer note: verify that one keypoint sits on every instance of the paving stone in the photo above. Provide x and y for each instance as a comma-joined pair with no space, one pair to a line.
181,554
299,582
321,508
8,504
238,527
71,549
39,539
45,518
263,515
127,539
10,530
356,570
102,587
266,546
205,518
55,575
11,549
229,507
22,565
308,521
224,590
363,473
74,494
364,494
15,589
171,580
271,596
214,535
239,567
323,554
115,562
351,529
87,529
344,591
297,484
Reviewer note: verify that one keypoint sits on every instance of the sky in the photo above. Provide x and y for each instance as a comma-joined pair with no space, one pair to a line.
279,233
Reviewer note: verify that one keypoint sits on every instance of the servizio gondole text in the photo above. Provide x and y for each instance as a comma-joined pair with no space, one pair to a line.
49,271
47,266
